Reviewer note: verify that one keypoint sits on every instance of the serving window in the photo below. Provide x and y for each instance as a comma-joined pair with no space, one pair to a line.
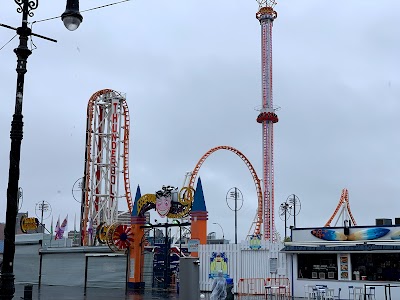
376,266
317,266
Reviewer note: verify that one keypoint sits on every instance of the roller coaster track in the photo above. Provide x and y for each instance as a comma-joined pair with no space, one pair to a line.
345,205
94,159
193,176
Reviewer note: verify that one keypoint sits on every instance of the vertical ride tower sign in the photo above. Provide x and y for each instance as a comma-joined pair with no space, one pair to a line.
114,149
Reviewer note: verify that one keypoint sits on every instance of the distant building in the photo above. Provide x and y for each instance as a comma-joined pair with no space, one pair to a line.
75,237
125,217
211,239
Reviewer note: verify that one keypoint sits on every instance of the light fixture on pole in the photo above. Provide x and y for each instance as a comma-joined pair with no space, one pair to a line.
284,209
223,235
26,7
234,194
295,204
72,18
44,208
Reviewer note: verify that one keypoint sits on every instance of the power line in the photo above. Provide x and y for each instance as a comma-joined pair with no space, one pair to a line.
83,10
8,42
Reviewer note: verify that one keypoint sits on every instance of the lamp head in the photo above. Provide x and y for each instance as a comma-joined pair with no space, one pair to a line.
72,18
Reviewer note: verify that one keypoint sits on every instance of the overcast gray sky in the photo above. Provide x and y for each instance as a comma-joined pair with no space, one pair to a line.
191,74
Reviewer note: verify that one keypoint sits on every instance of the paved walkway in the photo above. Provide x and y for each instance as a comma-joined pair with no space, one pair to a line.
77,293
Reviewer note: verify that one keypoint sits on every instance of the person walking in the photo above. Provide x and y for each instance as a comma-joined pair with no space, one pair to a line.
218,287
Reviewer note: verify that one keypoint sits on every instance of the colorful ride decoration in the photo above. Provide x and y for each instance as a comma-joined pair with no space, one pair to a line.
185,203
165,204
119,237
163,200
101,233
218,262
364,234
28,224
255,242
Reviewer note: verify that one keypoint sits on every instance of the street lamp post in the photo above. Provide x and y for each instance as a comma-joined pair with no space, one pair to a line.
234,194
7,287
223,235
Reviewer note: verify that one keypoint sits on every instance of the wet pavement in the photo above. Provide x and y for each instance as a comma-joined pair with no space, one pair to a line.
78,293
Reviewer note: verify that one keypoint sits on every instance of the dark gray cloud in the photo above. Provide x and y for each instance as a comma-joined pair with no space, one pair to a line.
191,74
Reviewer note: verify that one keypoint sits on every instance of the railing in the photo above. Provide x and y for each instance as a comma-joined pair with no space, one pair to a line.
387,287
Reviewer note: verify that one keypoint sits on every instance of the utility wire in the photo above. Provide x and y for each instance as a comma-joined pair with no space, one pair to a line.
83,11
8,42
32,44
106,5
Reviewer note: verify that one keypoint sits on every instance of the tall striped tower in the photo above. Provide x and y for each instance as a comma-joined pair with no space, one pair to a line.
267,117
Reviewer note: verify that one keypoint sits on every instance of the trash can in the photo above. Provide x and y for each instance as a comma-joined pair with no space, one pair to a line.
28,292
229,287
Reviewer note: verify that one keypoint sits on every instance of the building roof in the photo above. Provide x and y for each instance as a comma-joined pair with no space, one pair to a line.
199,203
342,247
137,197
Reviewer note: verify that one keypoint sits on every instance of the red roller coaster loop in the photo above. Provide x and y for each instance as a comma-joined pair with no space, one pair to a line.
253,174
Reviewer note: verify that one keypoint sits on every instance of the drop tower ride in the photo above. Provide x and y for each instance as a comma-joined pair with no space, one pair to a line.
267,117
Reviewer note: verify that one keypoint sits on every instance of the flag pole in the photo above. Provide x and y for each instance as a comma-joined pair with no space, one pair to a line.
73,241
51,230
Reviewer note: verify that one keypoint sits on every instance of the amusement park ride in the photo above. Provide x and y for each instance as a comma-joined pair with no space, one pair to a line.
343,208
106,172
267,117
107,162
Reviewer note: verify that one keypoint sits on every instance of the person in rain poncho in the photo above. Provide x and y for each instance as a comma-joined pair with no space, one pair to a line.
219,287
